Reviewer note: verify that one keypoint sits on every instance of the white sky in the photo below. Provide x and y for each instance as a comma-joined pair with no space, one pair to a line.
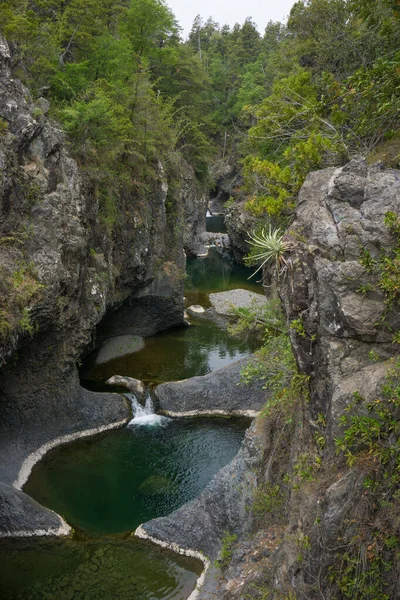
230,11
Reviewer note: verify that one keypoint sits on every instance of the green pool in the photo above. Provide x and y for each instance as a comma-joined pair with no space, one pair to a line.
217,272
106,485
110,568
184,352
112,482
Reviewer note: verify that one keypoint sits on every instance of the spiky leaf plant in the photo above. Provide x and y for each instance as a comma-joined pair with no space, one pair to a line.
270,247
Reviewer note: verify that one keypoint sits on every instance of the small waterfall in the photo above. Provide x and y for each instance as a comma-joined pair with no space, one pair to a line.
144,415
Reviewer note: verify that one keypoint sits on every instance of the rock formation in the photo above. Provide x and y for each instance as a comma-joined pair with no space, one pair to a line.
310,513
62,269
220,391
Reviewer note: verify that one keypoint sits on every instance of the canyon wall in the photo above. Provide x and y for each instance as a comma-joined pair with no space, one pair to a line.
306,515
65,262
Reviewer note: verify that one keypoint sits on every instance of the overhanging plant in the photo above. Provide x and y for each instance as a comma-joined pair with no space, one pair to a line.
270,247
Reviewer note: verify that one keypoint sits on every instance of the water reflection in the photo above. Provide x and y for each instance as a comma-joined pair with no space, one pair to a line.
185,352
112,568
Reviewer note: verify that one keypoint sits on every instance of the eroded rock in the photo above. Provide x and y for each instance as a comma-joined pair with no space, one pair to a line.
21,515
133,385
220,390
118,346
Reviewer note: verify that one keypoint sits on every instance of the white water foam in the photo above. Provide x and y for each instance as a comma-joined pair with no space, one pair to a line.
144,415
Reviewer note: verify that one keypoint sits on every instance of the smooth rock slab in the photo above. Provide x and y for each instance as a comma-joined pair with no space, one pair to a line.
225,302
130,383
22,516
219,391
118,346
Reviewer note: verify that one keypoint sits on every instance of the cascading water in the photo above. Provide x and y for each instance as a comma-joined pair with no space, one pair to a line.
144,415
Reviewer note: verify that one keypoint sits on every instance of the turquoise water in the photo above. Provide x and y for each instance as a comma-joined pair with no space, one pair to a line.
217,272
105,486
171,355
113,482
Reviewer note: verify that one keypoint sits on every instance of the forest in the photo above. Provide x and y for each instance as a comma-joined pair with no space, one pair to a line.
130,92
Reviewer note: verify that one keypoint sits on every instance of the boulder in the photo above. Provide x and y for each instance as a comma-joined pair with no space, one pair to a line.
219,391
195,309
225,302
118,346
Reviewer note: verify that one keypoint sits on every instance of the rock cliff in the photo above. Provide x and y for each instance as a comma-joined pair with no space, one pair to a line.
318,522
64,265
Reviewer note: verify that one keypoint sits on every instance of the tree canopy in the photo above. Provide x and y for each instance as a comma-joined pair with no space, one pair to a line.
127,89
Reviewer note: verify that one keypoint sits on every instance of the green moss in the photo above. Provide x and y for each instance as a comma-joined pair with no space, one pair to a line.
371,438
25,322
25,284
267,498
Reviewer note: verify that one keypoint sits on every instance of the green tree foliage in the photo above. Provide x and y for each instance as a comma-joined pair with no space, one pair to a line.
303,96
228,56
125,88
335,95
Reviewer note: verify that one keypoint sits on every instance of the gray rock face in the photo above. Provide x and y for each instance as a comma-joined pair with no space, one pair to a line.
195,202
239,223
224,505
340,213
217,391
225,302
62,270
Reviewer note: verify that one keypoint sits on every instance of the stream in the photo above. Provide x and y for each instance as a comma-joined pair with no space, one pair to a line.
106,485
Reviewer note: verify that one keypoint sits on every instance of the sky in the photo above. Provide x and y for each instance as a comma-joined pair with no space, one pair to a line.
230,11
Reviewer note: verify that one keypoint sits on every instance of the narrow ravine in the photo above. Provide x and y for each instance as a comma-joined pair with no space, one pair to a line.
105,486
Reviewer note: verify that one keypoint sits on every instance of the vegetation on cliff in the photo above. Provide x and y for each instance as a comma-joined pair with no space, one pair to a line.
129,91
305,95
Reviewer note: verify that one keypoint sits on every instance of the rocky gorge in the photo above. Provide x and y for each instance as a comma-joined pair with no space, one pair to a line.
63,272
316,507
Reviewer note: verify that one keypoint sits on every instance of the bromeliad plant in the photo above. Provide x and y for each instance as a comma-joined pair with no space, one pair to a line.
270,247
